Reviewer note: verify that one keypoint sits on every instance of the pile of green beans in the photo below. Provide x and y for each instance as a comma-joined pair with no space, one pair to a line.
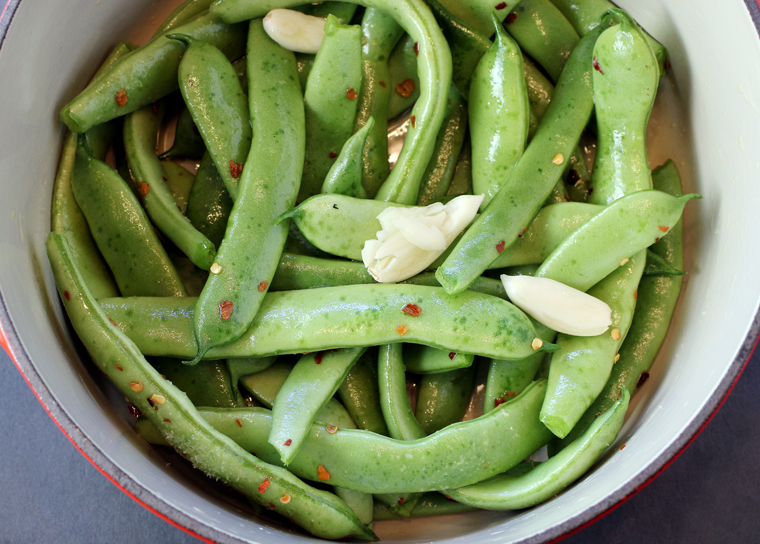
220,285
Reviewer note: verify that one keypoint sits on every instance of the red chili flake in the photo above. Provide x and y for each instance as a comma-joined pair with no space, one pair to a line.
121,98
452,354
111,320
117,367
334,351
155,108
235,169
511,18
322,473
263,286
663,229
151,403
597,415
225,309
239,423
448,498
636,294
164,178
405,88
500,247
401,329
497,401
401,500
271,505
416,48
288,442
263,487
134,411
590,190
381,83
318,357
144,188
167,420
413,120
333,155
412,309
567,198
597,67
622,447
642,379
666,65
351,94
522,231
66,295
656,240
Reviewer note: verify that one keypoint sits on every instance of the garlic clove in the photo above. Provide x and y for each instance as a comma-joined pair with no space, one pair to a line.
559,307
412,238
294,30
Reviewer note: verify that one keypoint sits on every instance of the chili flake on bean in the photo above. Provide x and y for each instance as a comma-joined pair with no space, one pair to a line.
332,429
663,229
333,155
511,18
501,5
288,442
225,309
66,295
412,309
322,473
381,83
500,246
452,354
235,169
239,423
413,121
401,329
597,67
285,499
351,94
642,379
264,485
263,286
144,188
318,357
416,49
405,88
121,98
136,386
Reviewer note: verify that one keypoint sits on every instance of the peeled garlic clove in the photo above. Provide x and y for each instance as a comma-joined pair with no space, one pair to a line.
558,306
294,30
412,238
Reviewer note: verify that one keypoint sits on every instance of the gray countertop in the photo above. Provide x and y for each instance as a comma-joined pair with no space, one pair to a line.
51,494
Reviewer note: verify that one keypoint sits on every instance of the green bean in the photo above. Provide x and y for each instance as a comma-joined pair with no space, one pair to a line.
345,175
585,16
360,503
380,33
360,394
425,360
207,384
265,384
656,301
209,203
188,141
543,33
461,183
602,244
658,266
625,85
404,77
443,397
140,133
448,145
582,365
309,386
330,97
213,95
341,10
478,14
398,415
320,513
461,454
540,90
238,368
122,231
179,182
303,272
339,317
549,478
184,12
70,221
100,137
498,106
268,186
533,177
146,74
430,504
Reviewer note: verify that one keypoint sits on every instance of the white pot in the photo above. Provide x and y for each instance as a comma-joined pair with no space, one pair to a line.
707,120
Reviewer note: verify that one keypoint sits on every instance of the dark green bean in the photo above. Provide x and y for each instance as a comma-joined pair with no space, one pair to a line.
207,384
122,231
345,175
268,187
209,204
404,78
147,74
430,504
443,397
360,394
179,182
184,12
188,141
140,133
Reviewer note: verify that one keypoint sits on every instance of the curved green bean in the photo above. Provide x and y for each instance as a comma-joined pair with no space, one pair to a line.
345,175
209,203
360,394
443,398
425,360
